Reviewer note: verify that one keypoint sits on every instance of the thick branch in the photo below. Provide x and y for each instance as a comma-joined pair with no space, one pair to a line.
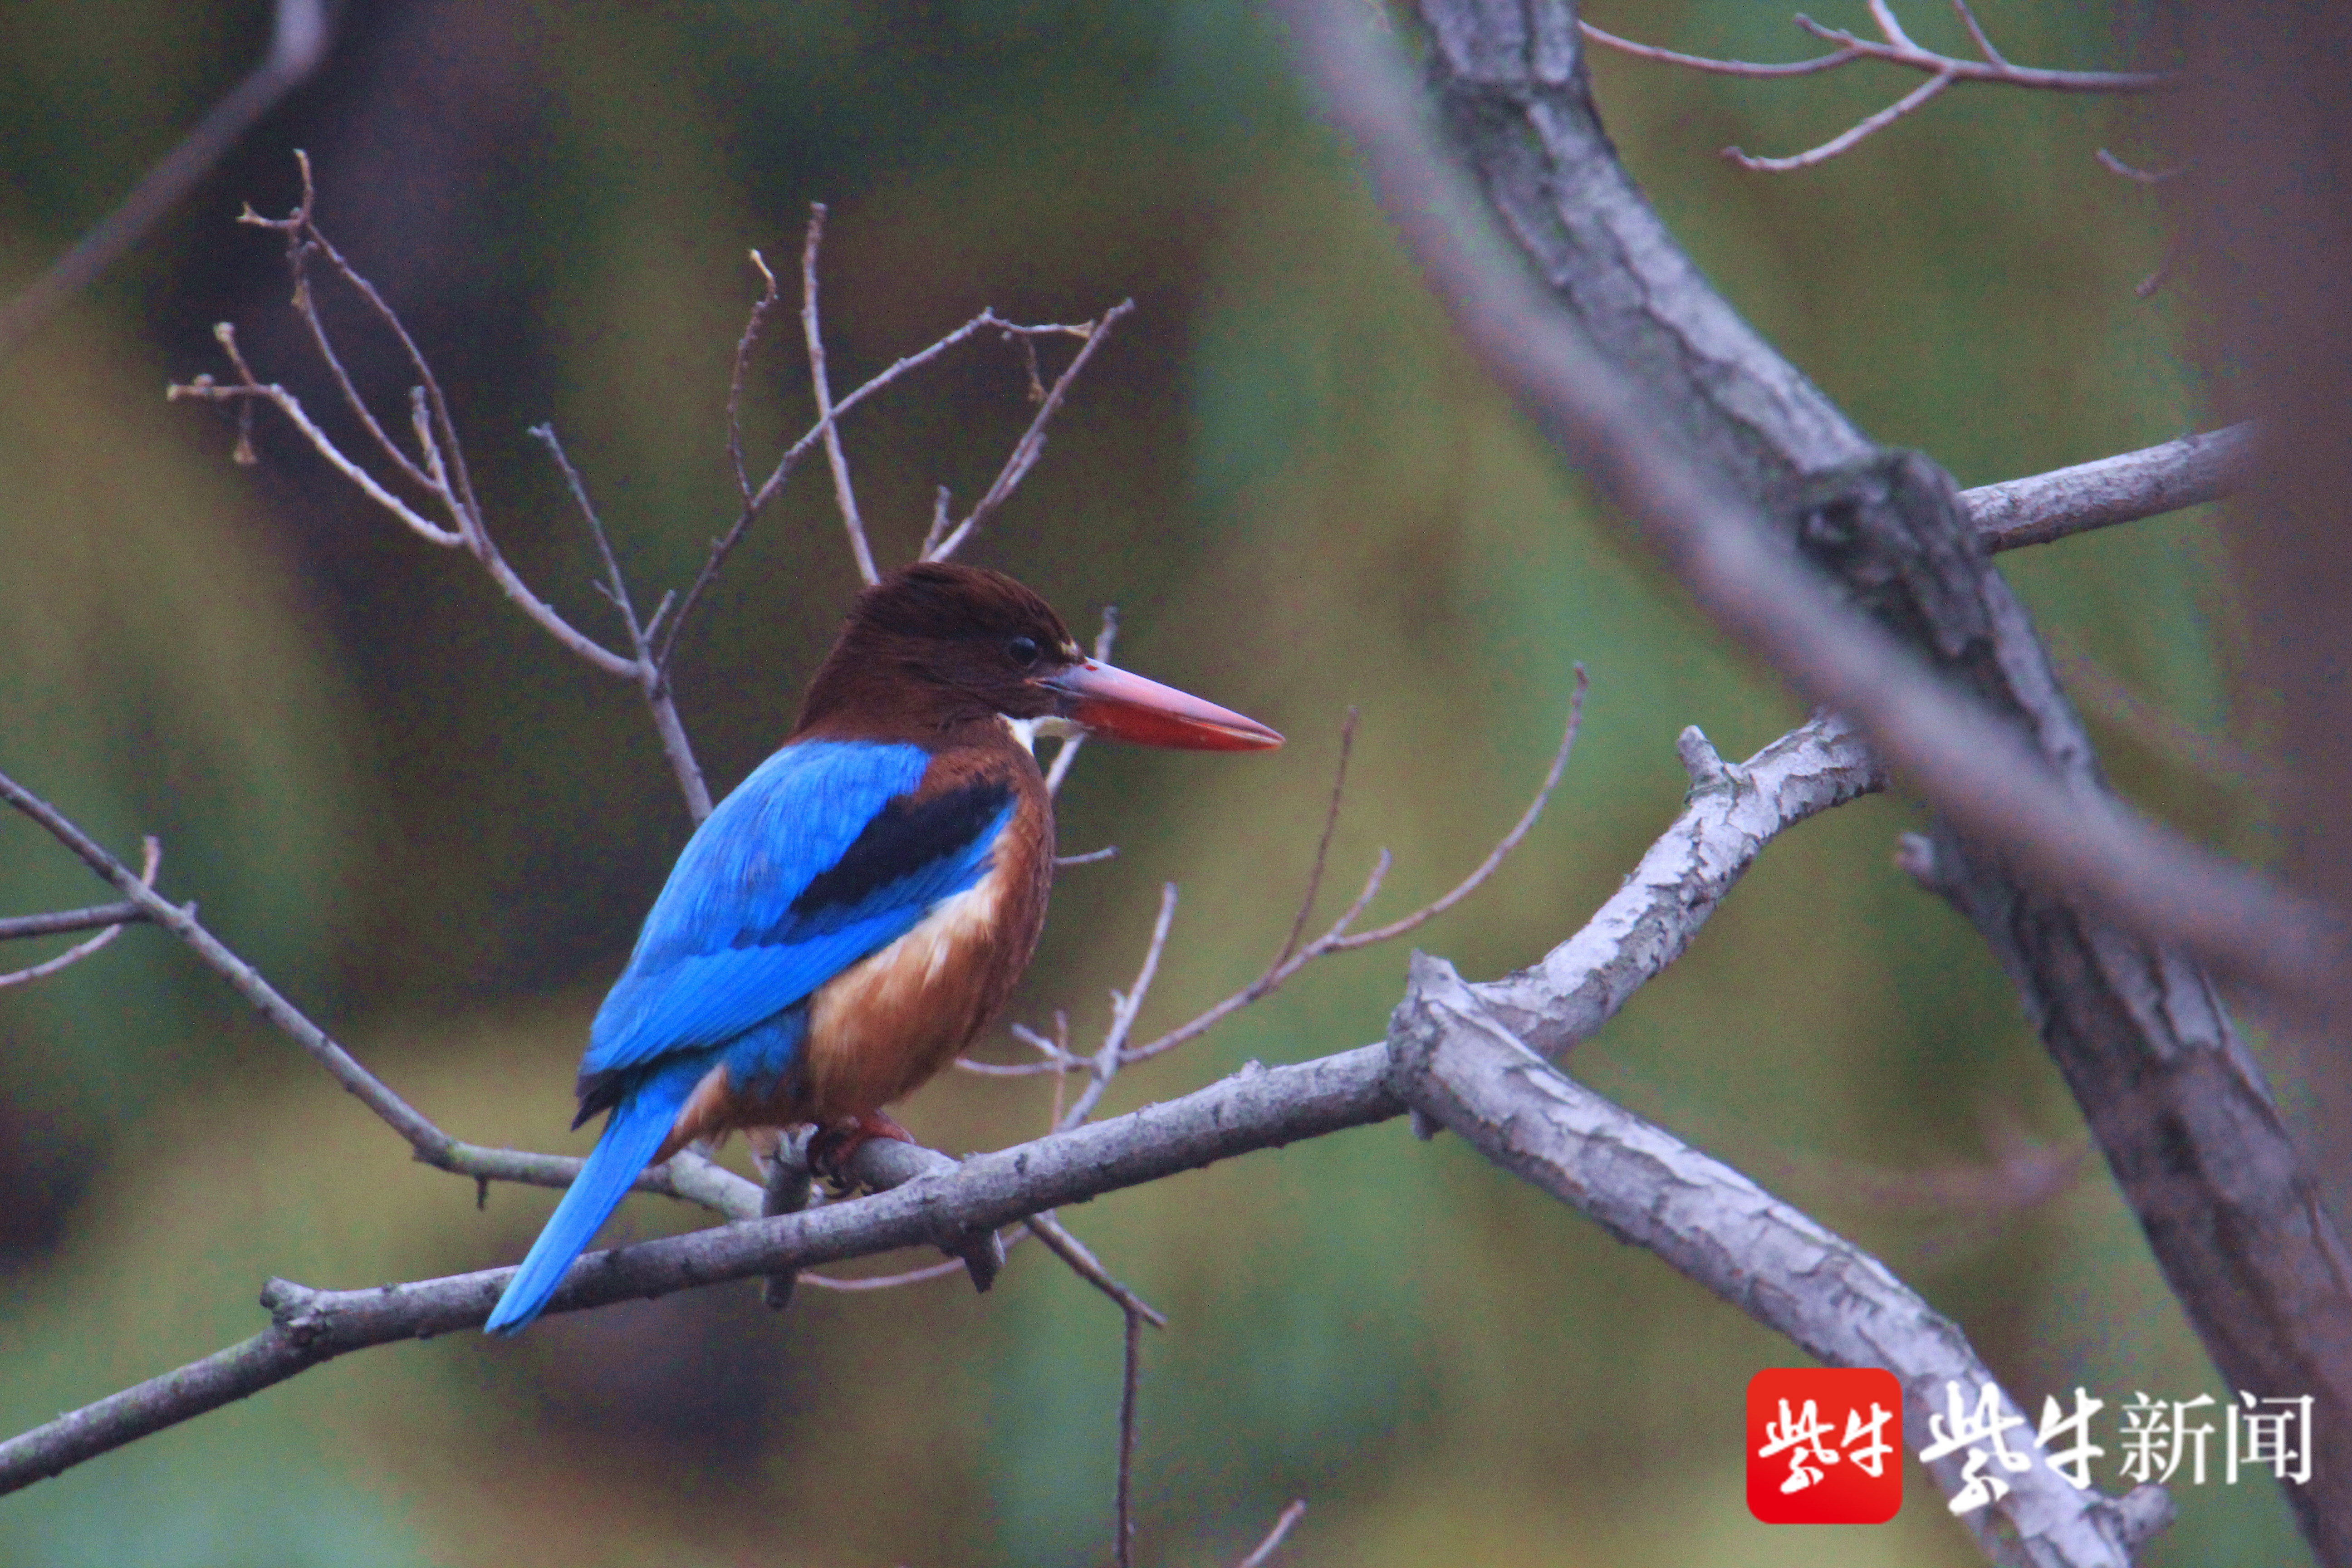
1326,1094
1732,812
2086,907
1258,1109
1457,1064
2064,833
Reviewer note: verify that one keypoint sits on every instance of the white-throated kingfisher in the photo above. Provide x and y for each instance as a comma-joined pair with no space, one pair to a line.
858,910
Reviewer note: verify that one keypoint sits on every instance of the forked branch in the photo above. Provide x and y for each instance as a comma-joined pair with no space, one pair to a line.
1892,46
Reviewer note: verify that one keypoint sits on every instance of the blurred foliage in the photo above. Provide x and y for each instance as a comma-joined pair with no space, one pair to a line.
438,834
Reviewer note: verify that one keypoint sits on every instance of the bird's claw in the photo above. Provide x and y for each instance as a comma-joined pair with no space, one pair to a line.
831,1149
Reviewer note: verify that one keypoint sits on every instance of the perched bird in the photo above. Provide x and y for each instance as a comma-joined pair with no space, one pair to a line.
857,911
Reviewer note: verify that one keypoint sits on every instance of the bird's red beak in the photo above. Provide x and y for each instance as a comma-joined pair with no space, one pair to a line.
1109,701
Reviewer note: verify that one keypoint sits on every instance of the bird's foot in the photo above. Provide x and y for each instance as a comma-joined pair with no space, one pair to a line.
830,1150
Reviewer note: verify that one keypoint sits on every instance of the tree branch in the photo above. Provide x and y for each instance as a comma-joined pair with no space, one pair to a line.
1892,47
1732,812
77,919
1457,1064
16,928
1736,468
1283,1522
2126,488
844,494
1032,445
1258,1109
924,1197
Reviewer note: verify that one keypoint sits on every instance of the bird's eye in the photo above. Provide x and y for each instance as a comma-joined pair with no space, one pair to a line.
1023,651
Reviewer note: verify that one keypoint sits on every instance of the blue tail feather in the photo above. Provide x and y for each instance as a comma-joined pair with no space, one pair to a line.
638,1125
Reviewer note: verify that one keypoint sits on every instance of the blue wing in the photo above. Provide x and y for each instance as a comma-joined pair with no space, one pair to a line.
816,860
820,856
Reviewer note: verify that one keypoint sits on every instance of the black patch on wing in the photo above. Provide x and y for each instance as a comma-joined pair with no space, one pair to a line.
599,1091
906,837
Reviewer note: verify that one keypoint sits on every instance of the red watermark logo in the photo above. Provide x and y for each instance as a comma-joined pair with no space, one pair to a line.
1822,1445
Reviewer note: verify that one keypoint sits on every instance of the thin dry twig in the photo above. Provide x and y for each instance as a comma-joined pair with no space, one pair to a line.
44,925
1104,1065
844,494
1050,1230
1292,958
62,922
652,678
1068,751
852,1284
1337,939
753,325
1323,842
1032,445
1892,47
1265,1549
439,466
685,1177
1130,1387
757,501
2114,165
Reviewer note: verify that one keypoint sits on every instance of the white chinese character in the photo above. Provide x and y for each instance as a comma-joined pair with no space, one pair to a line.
1964,1428
2279,1438
1803,1436
2073,1463
1870,1459
2148,1424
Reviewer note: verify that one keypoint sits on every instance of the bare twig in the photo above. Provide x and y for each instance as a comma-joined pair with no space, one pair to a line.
1067,752
684,1177
1104,1065
1323,843
1337,939
1916,98
1027,451
439,467
1265,1549
2138,176
16,928
1497,855
1073,1252
1057,1058
1892,47
2126,488
844,494
851,1285
652,680
753,325
1091,857
1130,1385
44,925
724,546
939,499
299,40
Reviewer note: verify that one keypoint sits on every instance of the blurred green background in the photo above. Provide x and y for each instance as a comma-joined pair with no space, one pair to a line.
437,833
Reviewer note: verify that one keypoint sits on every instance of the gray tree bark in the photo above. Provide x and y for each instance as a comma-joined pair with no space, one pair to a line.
2187,1123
